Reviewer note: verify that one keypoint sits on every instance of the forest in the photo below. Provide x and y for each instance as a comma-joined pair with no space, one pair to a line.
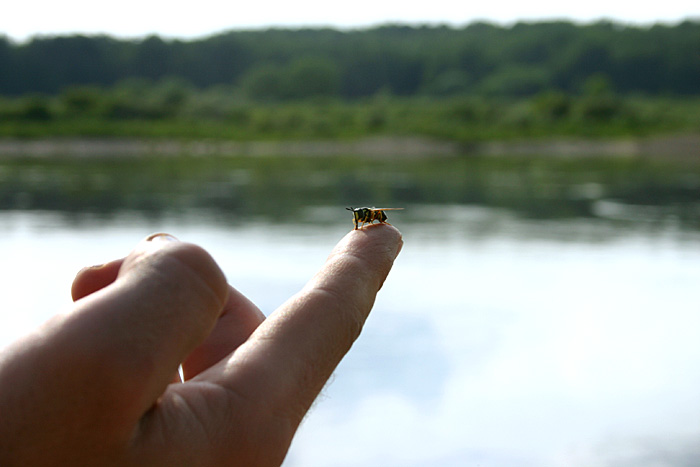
518,80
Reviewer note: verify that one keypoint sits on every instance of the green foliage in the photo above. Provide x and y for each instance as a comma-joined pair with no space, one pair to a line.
312,77
81,100
599,103
264,82
515,81
519,60
173,108
33,107
449,83
303,78
552,105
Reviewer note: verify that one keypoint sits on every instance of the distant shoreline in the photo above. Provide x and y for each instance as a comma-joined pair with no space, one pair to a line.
676,146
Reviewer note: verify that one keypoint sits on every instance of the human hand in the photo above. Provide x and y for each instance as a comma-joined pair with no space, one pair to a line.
99,385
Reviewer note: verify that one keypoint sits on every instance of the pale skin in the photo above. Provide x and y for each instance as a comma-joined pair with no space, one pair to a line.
99,385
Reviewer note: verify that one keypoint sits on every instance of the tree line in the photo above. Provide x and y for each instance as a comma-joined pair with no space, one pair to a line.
525,59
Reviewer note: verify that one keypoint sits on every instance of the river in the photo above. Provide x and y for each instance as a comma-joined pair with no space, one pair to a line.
541,313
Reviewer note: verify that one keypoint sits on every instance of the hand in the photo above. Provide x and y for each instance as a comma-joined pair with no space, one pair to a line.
100,386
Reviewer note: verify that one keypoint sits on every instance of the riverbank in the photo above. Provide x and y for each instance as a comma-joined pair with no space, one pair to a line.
676,146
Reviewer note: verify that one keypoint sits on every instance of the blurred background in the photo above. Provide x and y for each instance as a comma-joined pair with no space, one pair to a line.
543,311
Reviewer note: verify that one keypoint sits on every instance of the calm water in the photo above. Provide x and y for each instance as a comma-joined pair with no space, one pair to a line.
535,321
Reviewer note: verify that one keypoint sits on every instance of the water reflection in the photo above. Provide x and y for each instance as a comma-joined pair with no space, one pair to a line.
283,189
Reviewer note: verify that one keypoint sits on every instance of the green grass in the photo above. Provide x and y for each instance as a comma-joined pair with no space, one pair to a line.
461,119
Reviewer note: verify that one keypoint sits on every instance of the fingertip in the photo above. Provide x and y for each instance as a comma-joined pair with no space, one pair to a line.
376,240
395,236
385,232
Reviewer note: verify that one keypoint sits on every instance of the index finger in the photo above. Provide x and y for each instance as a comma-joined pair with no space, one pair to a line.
288,359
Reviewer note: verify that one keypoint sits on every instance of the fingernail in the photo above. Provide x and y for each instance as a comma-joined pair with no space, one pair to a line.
161,237
91,268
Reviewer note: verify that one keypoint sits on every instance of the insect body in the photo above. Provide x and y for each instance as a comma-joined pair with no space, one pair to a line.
369,215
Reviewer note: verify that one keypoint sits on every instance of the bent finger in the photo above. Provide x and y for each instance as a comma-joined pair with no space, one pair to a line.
239,318
164,302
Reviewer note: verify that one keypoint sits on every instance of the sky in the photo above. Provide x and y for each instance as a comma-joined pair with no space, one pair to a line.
137,18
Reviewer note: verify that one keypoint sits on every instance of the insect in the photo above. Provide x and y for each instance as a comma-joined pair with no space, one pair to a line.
369,215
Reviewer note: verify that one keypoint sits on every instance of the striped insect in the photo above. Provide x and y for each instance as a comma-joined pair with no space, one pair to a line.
369,215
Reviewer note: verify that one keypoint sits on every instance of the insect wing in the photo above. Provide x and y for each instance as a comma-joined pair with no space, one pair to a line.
386,209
